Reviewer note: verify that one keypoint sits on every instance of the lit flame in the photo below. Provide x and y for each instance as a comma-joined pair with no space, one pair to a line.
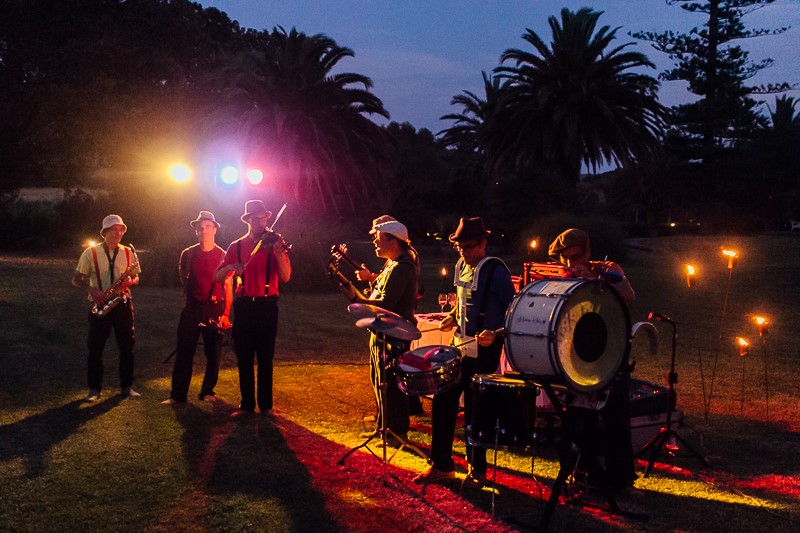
534,244
690,270
729,253
761,321
743,343
444,272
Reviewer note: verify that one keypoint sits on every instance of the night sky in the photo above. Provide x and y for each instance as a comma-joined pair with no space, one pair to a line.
420,54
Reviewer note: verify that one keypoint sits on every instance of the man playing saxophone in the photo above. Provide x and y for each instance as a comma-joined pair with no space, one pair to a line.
106,272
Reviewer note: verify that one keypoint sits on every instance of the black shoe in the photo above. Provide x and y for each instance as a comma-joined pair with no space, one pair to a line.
432,475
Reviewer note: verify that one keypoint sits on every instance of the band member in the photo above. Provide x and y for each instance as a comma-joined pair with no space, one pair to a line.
106,272
255,305
484,291
572,249
393,289
207,310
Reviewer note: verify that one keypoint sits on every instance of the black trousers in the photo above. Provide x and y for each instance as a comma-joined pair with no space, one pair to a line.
120,320
189,331
395,402
255,326
445,410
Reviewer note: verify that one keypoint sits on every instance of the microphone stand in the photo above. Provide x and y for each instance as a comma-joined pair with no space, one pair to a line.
657,446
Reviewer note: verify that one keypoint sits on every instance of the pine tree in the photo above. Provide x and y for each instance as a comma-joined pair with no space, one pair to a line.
716,69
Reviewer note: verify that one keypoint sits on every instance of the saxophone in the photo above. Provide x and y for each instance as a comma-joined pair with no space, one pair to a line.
115,294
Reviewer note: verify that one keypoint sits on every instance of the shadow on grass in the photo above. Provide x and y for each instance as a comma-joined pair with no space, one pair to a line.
249,457
32,438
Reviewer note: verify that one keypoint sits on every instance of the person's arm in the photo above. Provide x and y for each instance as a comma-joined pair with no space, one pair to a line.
284,263
624,287
80,281
228,267
183,268
225,319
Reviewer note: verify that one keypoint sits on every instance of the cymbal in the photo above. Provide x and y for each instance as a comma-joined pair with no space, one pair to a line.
359,311
379,320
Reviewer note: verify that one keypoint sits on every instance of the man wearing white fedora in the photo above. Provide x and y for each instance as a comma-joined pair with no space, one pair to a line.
106,273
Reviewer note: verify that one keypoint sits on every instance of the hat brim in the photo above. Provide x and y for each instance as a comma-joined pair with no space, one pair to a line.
104,230
195,223
244,218
464,238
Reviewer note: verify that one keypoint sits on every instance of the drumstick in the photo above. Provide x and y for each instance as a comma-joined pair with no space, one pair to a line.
429,330
473,339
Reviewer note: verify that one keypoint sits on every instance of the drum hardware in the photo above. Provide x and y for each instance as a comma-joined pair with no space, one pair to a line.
574,445
658,445
435,377
382,324
377,319
503,417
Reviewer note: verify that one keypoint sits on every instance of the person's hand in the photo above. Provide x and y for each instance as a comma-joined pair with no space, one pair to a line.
235,268
582,271
486,337
348,290
365,275
98,296
225,322
447,323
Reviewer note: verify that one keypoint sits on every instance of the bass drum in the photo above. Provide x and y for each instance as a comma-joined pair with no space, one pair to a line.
569,332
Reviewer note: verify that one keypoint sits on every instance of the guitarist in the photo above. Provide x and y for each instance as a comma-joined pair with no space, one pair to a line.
99,267
393,289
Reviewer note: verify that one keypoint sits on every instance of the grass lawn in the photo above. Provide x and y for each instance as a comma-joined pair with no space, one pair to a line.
135,465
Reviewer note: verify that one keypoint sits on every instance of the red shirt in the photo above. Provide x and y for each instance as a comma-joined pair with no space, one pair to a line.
255,274
197,273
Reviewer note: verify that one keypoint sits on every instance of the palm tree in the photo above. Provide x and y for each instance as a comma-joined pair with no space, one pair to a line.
468,130
573,102
314,123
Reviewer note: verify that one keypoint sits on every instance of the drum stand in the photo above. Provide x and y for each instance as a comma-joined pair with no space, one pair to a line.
658,445
382,432
577,429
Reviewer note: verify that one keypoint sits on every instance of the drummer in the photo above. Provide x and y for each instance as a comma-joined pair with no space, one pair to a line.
572,249
394,288
484,289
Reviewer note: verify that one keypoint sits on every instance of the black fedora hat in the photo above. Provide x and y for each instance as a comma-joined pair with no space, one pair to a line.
470,229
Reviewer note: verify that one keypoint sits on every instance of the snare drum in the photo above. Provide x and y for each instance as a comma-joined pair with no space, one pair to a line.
571,332
428,370
507,404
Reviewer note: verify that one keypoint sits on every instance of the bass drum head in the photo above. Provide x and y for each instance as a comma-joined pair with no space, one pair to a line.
591,336
571,332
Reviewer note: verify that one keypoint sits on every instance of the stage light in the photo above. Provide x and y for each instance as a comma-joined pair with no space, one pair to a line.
534,244
229,175
733,258
91,243
763,325
180,172
744,346
255,176
690,273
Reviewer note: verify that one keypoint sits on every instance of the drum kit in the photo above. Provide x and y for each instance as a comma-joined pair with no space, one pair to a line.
566,337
